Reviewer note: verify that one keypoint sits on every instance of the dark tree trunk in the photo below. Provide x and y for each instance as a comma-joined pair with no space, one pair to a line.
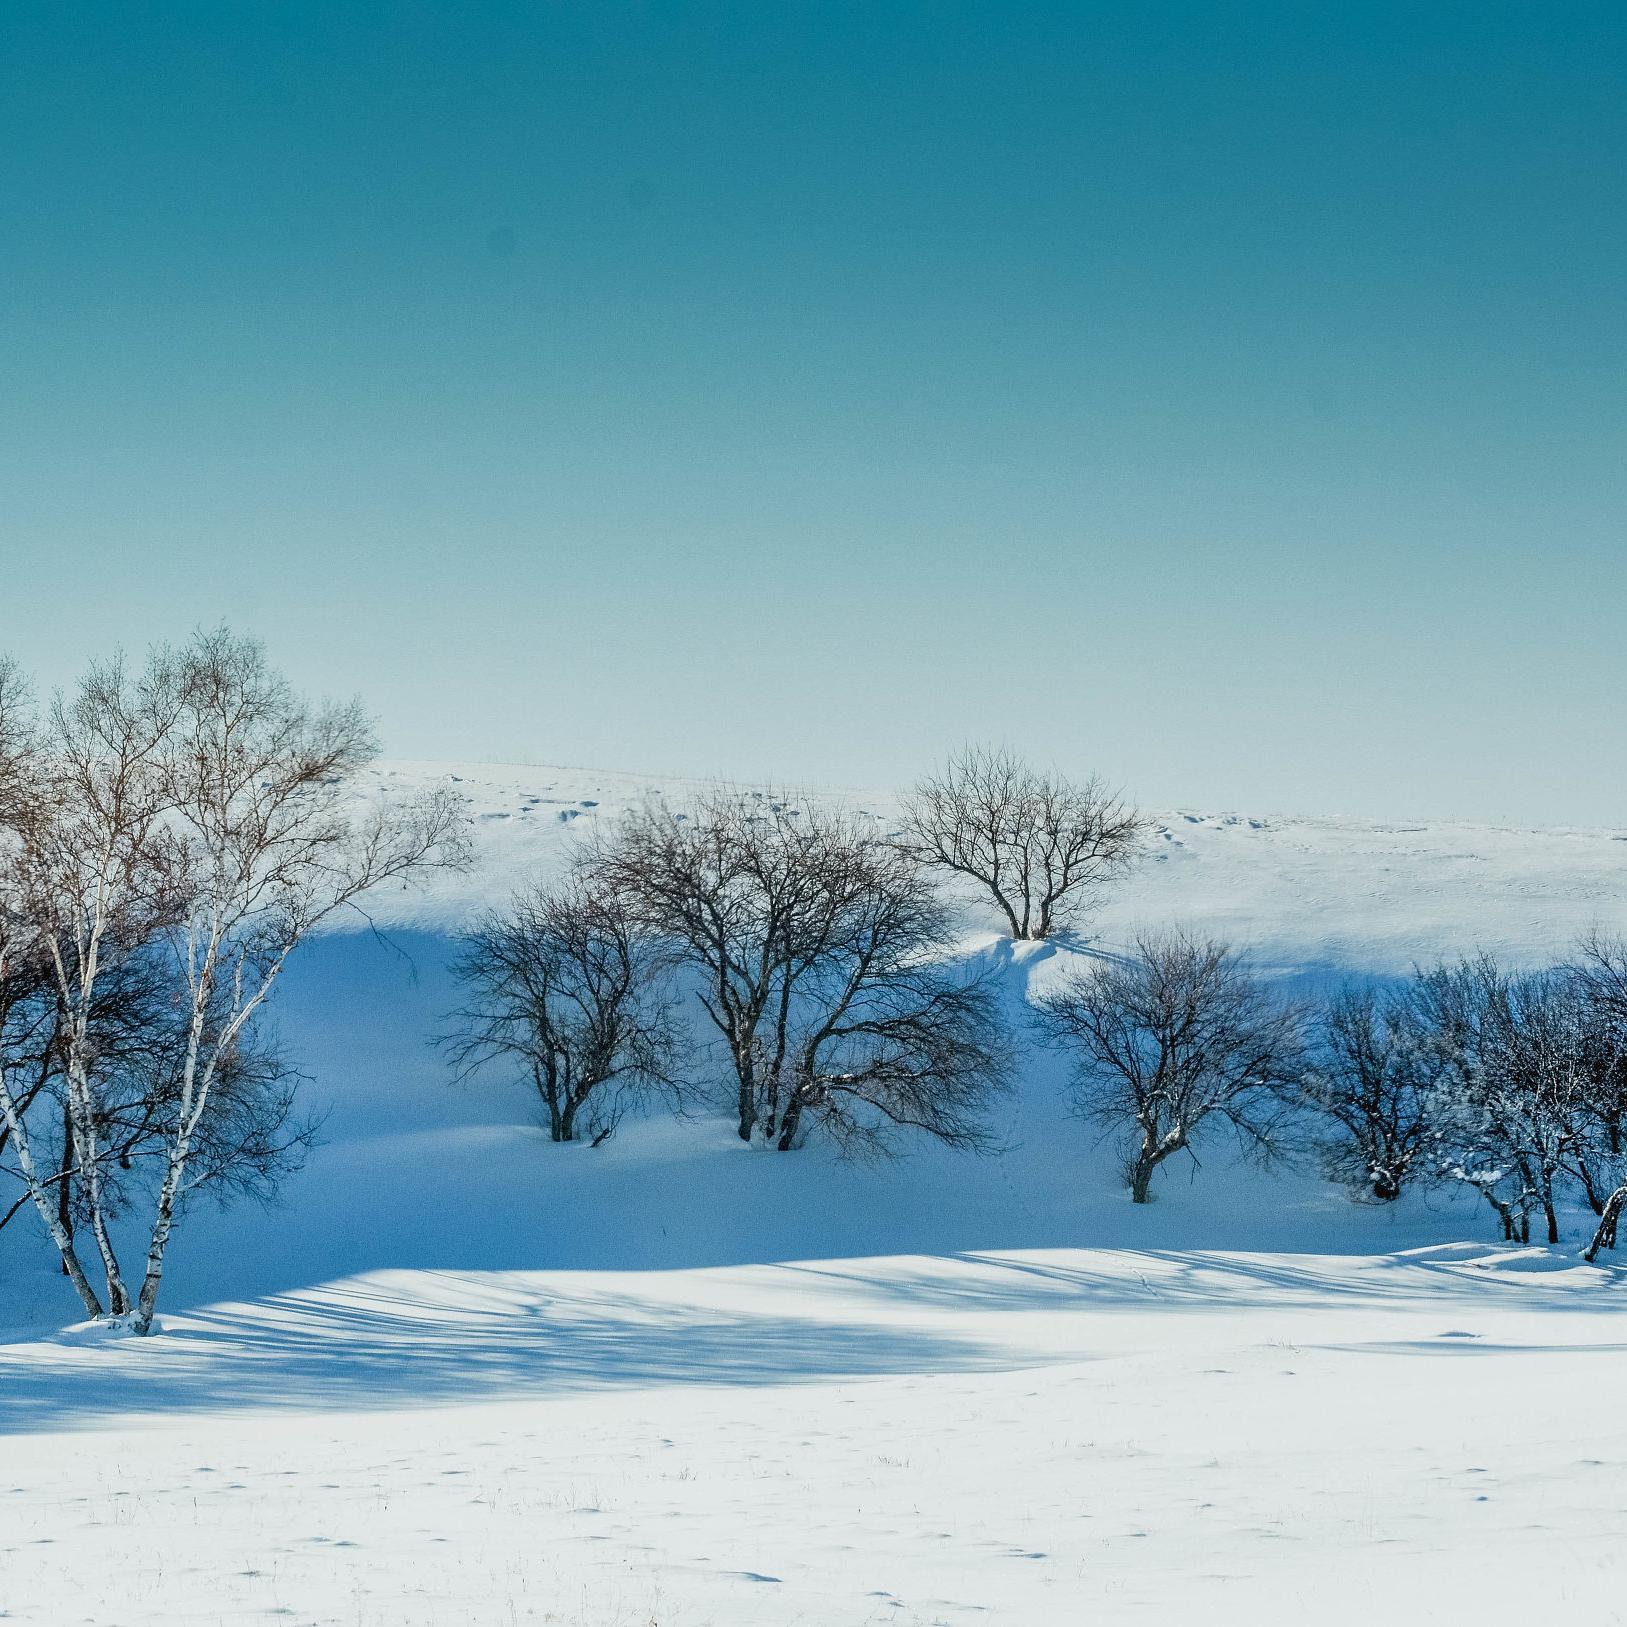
1505,1214
548,1089
64,1191
1019,929
748,1098
1595,1198
1141,1173
1605,1236
788,1125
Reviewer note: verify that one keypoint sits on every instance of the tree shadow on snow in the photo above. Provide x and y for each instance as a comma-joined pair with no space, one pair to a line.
369,1345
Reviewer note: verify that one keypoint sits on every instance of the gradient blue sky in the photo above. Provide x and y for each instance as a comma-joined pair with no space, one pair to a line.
1229,397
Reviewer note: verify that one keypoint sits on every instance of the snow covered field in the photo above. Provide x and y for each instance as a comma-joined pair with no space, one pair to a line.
464,1376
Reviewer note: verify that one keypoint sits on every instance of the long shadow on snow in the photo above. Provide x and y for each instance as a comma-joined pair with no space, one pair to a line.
369,1347
437,1338
1467,1276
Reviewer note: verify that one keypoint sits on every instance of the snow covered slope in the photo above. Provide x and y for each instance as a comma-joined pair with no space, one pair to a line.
1307,892
461,1374
1045,1438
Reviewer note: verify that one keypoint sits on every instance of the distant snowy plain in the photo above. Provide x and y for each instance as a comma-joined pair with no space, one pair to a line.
461,1375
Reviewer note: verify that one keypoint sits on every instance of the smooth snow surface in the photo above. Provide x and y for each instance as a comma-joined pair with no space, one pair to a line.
464,1376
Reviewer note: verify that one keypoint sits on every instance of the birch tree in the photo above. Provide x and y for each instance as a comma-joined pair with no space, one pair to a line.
167,836
266,840
88,881
253,1138
20,1087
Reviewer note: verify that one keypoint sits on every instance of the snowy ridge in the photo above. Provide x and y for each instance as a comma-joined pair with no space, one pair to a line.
1305,892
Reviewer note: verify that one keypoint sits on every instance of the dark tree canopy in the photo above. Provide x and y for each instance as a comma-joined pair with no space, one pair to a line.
566,987
817,948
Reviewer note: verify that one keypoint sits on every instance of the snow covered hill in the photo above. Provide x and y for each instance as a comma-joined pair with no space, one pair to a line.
460,1373
1306,892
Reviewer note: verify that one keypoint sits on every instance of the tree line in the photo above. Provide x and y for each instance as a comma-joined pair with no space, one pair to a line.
170,832
1512,1085
820,947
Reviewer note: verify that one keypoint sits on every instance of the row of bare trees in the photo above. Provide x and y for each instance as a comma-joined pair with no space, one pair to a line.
817,950
816,943
168,835
1513,1085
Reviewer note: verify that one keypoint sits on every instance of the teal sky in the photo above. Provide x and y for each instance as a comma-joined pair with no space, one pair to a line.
1229,397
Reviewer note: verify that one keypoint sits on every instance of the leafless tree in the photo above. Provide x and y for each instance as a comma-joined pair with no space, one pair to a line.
1598,1153
1044,848
1179,1033
1522,1057
86,884
1599,969
188,823
733,884
883,1031
818,951
254,1137
1376,1077
266,841
16,741
564,985
29,1056
31,1017
1598,977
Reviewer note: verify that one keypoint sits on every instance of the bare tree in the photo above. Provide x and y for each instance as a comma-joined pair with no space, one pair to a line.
1180,1032
819,952
882,1030
87,884
1044,848
29,1043
17,742
1522,1057
266,840
566,986
734,885
1377,1076
1599,969
1598,1111
169,837
253,1138
23,1077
